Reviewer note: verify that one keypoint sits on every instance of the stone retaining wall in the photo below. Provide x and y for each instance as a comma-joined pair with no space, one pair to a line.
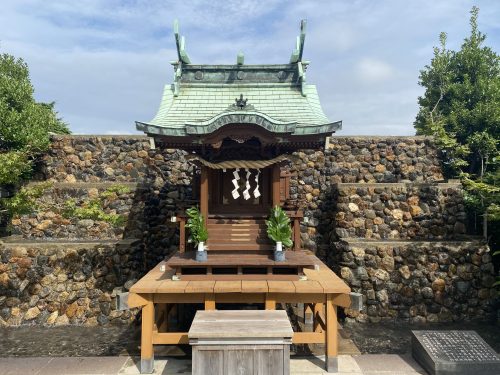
51,221
418,281
88,158
61,282
399,211
378,188
382,159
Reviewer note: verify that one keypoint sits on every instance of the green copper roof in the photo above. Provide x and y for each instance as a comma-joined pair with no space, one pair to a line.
204,98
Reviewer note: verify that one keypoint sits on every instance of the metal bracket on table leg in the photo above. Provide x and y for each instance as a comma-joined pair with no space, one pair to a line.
332,364
148,365
356,301
122,301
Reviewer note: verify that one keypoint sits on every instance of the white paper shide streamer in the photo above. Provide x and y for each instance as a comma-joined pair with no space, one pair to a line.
246,192
235,183
256,192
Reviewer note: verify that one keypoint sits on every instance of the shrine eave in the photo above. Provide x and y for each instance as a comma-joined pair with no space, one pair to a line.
235,118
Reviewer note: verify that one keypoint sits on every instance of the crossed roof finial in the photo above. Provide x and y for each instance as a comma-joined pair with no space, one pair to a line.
299,47
180,42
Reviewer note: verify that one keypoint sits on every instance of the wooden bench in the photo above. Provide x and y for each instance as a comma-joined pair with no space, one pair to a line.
241,342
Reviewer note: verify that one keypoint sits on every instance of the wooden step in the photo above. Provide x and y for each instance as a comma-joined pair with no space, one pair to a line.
239,241
235,221
238,246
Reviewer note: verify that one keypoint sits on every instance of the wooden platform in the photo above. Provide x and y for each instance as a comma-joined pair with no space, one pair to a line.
321,293
241,266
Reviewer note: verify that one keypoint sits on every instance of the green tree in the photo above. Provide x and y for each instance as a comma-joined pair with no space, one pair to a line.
461,109
25,125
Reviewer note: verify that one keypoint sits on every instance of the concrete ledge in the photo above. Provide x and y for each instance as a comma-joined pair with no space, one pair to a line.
438,184
137,136
85,185
455,241
380,137
15,241
144,137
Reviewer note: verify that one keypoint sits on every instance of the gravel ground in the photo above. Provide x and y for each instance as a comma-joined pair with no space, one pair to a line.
69,341
396,338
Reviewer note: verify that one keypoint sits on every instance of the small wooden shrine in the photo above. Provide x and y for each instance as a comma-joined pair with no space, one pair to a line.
240,124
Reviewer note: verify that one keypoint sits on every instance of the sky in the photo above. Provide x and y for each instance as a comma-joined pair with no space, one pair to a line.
105,62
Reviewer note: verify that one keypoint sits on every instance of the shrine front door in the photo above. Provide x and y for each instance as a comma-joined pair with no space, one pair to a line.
245,194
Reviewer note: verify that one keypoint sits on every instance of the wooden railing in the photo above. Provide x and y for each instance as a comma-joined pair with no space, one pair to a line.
294,215
181,218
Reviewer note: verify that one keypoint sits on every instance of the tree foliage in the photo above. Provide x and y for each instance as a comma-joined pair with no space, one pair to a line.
461,109
25,124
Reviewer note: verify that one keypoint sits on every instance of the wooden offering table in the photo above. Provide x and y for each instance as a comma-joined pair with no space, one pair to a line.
321,290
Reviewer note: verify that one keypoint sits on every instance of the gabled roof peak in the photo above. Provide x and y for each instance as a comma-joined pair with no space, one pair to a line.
293,73
183,58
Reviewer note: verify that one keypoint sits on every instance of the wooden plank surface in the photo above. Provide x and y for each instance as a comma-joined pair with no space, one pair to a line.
258,286
240,324
330,282
237,277
307,286
292,258
170,286
281,286
151,280
269,362
227,287
156,281
200,287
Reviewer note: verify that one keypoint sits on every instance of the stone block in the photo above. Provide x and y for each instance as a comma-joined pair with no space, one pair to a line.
454,352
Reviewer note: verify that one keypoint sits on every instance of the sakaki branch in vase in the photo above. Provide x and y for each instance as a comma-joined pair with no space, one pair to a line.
198,233
279,230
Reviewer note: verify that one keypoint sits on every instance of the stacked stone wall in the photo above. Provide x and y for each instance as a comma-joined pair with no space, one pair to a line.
399,211
381,159
51,221
356,191
418,282
66,282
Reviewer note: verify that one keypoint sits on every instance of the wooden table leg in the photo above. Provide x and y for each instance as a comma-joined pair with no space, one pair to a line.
147,353
209,301
163,315
308,317
270,302
331,336
317,310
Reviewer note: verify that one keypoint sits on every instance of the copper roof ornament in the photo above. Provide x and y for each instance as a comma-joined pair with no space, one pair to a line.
241,103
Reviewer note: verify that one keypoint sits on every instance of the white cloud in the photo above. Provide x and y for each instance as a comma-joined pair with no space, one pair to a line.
373,70
105,62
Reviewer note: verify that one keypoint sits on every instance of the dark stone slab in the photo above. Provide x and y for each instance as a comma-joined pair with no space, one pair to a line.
454,352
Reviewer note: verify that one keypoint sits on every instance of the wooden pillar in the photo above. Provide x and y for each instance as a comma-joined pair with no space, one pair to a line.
296,233
204,193
163,310
209,301
147,353
331,335
275,180
317,310
182,234
270,302
308,317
